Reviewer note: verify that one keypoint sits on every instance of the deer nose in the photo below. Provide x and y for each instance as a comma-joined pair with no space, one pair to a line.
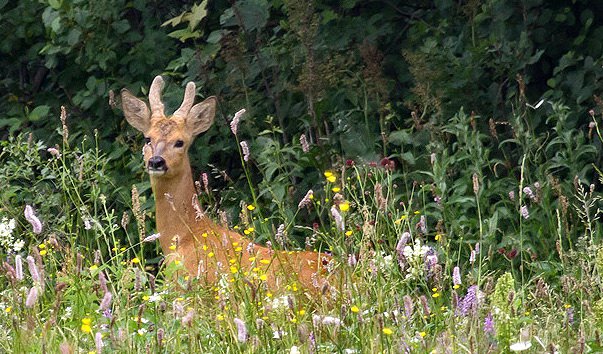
157,163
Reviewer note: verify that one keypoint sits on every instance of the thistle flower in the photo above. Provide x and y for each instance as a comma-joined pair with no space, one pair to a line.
33,270
338,219
525,213
245,150
304,143
31,217
456,276
306,200
234,124
32,297
241,329
18,267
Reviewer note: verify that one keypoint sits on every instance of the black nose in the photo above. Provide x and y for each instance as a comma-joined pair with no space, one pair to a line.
157,163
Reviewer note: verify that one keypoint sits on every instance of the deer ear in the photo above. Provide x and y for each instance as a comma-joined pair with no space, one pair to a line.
136,111
201,116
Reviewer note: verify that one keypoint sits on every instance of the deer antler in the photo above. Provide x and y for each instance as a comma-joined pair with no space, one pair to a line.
155,97
187,102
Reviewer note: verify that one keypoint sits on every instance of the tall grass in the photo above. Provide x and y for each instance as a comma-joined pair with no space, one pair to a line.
458,252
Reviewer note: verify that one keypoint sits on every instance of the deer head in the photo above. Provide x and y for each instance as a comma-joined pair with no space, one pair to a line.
167,138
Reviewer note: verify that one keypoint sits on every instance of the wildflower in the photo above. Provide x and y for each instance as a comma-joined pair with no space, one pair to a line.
306,200
528,191
330,176
245,150
489,324
472,257
326,320
354,309
338,219
408,306
349,233
250,207
304,143
187,320
345,206
520,346
32,297
294,350
18,267
31,217
401,243
432,158
106,302
33,269
525,213
471,301
86,328
475,183
135,260
234,124
98,341
6,230
54,152
336,189
18,245
280,235
152,237
456,277
423,334
422,225
512,195
352,261
241,329
387,331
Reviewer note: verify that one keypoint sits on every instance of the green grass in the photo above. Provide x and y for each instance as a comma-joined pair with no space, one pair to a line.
523,280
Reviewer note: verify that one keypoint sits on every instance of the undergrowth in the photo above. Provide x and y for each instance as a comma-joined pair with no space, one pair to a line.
444,247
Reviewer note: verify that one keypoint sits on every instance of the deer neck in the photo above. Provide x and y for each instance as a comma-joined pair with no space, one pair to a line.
176,214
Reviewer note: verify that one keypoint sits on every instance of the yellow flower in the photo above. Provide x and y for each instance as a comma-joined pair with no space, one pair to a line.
435,295
388,331
204,234
135,260
238,249
301,312
93,267
355,309
349,233
336,189
172,247
422,334
86,328
263,277
250,207
264,261
41,246
330,177
220,317
417,212
438,237
146,297
234,269
210,254
345,206
8,309
177,262
43,252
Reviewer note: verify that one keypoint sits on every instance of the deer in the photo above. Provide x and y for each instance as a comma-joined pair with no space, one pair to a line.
207,250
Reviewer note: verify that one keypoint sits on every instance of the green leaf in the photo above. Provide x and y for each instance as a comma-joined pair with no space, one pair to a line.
38,113
198,13
55,4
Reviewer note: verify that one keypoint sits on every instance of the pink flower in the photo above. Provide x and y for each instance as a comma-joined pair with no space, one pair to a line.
32,297
245,149
234,124
33,219
241,329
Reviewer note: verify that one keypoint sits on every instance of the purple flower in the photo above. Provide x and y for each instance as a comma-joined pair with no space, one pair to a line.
408,306
338,219
489,324
98,341
32,297
31,217
106,302
525,213
456,276
241,329
33,270
18,267
470,302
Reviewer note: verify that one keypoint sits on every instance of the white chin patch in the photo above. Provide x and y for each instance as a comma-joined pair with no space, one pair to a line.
156,172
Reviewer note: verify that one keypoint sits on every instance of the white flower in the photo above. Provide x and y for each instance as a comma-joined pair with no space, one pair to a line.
520,346
142,331
18,245
294,350
155,297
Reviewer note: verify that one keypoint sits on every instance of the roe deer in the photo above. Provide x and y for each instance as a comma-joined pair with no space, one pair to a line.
208,251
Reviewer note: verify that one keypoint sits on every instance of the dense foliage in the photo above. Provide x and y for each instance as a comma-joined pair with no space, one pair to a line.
461,123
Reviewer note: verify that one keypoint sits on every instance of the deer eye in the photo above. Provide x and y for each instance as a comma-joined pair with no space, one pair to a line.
147,140
179,143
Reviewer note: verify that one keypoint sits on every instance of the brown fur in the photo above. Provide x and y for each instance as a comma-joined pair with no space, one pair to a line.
208,250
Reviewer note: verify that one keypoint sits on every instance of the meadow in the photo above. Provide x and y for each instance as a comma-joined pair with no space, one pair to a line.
464,255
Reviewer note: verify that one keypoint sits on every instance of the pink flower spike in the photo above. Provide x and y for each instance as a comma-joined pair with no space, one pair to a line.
33,219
